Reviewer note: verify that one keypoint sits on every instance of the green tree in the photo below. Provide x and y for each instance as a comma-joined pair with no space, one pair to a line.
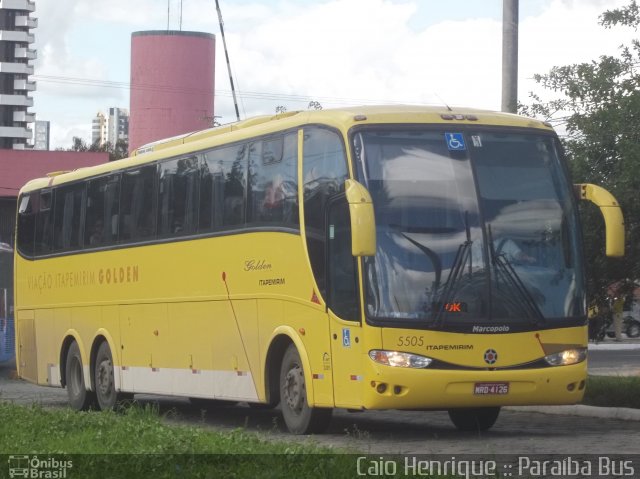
597,110
116,152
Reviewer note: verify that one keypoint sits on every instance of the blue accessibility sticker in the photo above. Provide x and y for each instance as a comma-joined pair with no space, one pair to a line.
346,337
455,141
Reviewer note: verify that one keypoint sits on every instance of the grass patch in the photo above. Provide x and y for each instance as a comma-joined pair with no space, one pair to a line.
138,443
610,391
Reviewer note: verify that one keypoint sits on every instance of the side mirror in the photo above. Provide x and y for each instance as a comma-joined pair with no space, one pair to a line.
611,212
363,222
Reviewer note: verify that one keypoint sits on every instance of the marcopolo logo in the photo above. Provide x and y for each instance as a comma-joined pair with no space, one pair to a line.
490,356
38,468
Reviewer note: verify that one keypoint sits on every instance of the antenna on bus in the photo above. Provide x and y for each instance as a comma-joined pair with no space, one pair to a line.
444,102
168,13
226,54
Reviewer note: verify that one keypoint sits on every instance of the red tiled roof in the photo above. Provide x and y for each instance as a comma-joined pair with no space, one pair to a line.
19,166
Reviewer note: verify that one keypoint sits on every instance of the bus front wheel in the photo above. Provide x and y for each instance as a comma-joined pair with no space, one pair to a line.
299,417
474,419
103,377
79,398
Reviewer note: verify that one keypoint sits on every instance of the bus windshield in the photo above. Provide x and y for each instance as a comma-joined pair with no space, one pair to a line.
474,228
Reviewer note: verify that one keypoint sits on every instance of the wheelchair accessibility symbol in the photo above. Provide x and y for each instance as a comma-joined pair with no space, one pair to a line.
455,141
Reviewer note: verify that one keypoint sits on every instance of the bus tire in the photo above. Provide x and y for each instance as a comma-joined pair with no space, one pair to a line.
106,393
80,398
299,417
474,419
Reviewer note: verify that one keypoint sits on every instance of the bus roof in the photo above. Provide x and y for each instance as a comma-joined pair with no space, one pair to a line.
341,118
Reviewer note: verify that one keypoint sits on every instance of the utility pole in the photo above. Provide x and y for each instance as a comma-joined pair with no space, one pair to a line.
510,55
180,15
226,54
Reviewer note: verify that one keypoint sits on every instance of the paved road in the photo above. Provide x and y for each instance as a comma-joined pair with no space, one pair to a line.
386,432
609,358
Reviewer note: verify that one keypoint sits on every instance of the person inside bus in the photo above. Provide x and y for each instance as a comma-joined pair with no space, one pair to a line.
512,252
97,232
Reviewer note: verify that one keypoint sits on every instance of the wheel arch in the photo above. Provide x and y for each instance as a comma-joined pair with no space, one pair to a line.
280,340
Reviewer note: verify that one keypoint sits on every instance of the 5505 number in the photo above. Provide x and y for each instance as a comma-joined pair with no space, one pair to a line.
411,341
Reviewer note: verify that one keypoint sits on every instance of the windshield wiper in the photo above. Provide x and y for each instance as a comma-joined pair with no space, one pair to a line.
463,255
513,280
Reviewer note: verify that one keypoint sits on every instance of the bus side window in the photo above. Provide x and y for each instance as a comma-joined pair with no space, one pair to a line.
27,222
138,204
324,174
44,224
223,188
68,217
101,219
211,194
273,188
177,197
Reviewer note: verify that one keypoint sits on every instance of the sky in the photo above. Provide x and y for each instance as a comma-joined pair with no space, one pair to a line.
290,52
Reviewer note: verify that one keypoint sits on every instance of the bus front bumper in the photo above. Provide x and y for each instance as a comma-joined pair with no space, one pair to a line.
405,388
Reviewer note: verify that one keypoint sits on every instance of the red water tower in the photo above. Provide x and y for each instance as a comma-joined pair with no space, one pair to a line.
172,84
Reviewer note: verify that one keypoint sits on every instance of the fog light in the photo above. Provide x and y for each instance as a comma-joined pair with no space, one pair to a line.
571,387
381,388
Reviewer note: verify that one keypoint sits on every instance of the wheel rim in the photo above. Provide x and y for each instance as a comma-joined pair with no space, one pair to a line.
294,389
104,378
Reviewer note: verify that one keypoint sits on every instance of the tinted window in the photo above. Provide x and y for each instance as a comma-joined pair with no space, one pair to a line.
342,286
27,209
68,217
137,204
178,196
324,174
223,184
101,223
44,224
273,185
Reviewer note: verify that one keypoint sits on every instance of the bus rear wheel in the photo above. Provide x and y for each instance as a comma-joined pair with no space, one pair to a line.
299,417
79,398
474,419
103,378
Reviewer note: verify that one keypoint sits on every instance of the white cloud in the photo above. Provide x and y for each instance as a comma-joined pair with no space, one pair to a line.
334,51
133,13
566,33
62,135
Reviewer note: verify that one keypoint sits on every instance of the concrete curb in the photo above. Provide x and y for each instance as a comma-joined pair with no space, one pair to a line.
621,413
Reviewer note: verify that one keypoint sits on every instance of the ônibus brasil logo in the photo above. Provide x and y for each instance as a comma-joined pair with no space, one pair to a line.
37,468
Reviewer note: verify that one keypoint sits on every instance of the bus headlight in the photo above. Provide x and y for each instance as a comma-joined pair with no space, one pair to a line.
399,360
566,358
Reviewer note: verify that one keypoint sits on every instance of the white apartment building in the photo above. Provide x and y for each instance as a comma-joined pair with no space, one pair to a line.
16,58
110,128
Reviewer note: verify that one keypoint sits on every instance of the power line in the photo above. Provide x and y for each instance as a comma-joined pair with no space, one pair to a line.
219,92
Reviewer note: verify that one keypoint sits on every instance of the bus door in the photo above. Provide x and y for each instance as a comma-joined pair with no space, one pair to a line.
342,301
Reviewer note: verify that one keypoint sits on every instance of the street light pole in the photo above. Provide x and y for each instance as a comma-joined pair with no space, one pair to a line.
510,55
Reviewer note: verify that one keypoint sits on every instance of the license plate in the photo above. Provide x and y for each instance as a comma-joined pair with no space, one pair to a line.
491,388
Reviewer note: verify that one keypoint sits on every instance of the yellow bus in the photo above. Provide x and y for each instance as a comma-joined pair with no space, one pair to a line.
362,258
